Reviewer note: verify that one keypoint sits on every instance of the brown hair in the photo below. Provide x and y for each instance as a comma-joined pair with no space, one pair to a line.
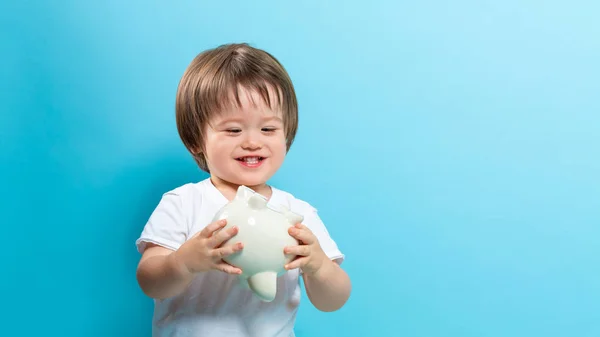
208,83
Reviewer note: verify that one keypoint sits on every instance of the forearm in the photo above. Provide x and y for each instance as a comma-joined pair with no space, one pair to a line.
162,276
329,288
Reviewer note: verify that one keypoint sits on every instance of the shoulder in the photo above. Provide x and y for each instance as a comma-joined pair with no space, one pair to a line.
295,204
189,189
188,195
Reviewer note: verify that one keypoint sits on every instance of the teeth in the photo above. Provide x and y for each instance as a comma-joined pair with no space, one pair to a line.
251,160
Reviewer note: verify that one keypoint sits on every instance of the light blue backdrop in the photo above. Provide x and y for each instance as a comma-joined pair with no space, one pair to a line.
452,148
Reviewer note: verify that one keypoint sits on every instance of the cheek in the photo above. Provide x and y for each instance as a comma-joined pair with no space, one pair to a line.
218,147
279,147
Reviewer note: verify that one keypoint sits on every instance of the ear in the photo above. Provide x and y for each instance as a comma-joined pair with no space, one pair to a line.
244,193
196,150
257,201
293,218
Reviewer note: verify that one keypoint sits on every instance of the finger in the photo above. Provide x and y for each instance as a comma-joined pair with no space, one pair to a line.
222,236
303,234
297,263
227,268
301,250
208,230
226,251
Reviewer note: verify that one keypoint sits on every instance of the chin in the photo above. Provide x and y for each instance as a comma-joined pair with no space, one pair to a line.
244,179
252,182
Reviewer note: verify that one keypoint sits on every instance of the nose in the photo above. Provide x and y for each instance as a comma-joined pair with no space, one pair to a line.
251,142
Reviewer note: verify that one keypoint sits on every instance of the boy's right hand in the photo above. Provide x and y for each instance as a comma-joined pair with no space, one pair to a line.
203,252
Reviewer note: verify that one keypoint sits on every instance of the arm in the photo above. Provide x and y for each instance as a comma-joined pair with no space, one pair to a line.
327,284
329,288
164,273
160,275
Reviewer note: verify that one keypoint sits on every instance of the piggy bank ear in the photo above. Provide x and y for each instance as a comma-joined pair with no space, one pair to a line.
244,193
293,218
257,201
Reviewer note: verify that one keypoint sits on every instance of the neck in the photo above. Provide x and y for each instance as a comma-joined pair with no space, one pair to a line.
229,189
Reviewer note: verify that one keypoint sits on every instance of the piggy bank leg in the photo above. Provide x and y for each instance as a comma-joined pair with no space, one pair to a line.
264,285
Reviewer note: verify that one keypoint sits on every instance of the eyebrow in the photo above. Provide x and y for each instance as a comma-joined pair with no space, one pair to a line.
277,118
264,119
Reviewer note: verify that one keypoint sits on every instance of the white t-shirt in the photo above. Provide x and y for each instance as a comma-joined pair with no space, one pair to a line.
215,303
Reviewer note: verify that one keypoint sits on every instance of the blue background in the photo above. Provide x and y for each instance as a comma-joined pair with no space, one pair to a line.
452,148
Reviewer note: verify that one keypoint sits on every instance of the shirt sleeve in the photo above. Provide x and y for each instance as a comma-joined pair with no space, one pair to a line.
329,246
166,226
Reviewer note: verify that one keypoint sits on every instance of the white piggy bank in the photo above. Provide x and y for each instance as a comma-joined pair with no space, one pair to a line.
264,233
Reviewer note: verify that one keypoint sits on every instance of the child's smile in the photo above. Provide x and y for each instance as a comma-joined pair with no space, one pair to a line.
251,161
245,144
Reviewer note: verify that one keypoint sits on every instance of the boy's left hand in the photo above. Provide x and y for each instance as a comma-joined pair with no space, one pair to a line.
310,256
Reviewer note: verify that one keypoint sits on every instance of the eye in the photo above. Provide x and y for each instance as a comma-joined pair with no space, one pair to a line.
270,129
233,131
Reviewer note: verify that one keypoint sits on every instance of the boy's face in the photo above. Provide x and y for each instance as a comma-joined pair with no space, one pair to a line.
246,145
